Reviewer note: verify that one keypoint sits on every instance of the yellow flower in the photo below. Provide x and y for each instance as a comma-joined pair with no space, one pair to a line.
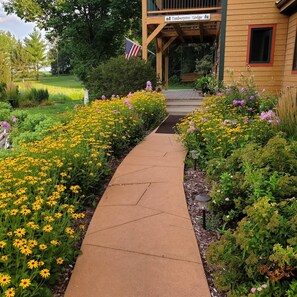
47,228
2,244
20,232
4,258
25,283
4,279
25,250
42,246
69,230
45,273
10,292
32,264
59,260
32,242
55,242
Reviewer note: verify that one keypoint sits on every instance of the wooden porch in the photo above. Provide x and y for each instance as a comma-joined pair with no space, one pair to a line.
171,22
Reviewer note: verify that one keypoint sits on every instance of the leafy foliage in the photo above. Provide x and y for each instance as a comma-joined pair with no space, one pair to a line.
94,30
119,76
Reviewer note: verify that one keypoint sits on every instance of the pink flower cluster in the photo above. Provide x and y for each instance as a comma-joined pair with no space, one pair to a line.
239,102
259,289
270,117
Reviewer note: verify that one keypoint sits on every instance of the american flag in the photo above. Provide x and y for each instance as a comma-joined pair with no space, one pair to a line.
132,49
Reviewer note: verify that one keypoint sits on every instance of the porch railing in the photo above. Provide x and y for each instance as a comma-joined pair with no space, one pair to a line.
164,6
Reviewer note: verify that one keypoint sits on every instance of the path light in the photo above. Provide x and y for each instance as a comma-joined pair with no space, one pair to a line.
203,200
194,156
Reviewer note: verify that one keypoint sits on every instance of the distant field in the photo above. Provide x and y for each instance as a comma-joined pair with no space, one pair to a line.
69,86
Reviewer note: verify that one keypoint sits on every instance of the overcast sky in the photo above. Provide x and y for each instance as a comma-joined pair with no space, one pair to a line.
14,24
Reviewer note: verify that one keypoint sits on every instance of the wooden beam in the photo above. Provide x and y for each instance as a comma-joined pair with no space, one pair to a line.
179,32
214,17
144,30
155,33
190,33
201,32
167,44
188,10
159,54
166,70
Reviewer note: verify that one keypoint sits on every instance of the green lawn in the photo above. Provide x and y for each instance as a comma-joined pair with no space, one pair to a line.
68,85
181,86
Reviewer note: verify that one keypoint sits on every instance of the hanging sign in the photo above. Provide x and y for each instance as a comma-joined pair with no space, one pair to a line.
187,17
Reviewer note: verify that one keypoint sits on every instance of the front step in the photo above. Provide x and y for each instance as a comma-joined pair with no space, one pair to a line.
183,106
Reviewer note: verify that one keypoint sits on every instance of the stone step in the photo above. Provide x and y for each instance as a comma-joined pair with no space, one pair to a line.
184,103
181,110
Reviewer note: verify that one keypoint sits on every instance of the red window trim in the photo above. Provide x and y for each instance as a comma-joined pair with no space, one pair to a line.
273,26
294,71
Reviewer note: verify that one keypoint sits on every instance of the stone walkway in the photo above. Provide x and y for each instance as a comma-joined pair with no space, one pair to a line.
140,242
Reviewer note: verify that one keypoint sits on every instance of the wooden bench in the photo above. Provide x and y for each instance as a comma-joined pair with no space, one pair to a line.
189,77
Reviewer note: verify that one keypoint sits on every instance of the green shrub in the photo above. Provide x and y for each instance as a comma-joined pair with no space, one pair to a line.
262,250
208,84
119,76
37,95
12,94
2,91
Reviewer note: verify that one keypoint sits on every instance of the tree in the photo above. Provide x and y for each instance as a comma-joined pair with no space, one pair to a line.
20,60
93,29
36,47
61,59
7,45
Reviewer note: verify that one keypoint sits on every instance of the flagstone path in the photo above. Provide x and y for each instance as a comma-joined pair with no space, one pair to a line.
140,242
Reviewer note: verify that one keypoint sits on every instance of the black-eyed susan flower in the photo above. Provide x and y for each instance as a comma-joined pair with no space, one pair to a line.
4,279
32,264
25,283
2,244
47,228
10,292
20,232
44,273
59,260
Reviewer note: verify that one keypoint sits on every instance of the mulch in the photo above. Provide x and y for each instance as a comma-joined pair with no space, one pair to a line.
167,127
196,184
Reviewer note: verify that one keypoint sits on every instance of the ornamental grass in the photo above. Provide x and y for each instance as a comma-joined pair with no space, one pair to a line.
45,184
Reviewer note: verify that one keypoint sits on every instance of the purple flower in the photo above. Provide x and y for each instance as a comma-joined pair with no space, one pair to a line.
252,97
228,91
113,96
191,123
242,102
242,90
103,97
264,286
5,124
130,106
220,94
126,101
251,109
234,123
235,102
14,119
203,120
115,111
129,95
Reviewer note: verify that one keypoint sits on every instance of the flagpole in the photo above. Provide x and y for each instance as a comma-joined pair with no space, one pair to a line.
140,45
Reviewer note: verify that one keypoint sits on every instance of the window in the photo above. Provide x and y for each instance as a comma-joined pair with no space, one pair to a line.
295,56
261,45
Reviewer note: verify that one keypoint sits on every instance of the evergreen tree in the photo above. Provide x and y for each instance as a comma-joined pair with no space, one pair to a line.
20,59
35,46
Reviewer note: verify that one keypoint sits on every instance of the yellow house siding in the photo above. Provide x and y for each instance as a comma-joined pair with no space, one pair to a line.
241,14
290,79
